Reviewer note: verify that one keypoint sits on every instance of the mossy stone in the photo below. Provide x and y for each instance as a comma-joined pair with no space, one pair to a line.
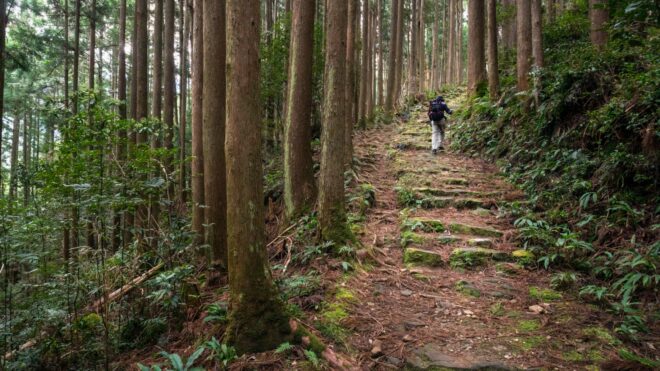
544,294
467,288
481,242
523,257
408,238
414,256
473,256
474,230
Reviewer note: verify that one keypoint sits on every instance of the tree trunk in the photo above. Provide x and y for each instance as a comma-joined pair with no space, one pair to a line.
169,93
13,162
599,15
524,43
421,47
141,76
537,33
91,236
332,216
3,26
445,42
413,65
451,66
493,67
26,157
476,46
392,63
257,321
399,53
364,75
459,47
370,67
379,83
434,48
509,26
352,36
121,97
184,33
76,57
197,172
157,72
298,165
213,103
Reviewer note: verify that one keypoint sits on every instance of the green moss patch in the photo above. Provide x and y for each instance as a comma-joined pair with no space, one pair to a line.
409,238
466,257
601,334
414,256
423,224
531,342
543,294
523,257
528,325
480,242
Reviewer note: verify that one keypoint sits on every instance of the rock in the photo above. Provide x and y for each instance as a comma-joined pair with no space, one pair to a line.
467,288
508,268
456,181
480,211
474,230
465,257
433,357
448,240
406,292
377,348
424,225
415,256
409,325
408,338
481,242
536,309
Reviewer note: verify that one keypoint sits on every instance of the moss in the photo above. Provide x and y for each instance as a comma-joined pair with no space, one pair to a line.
467,203
507,268
544,294
448,240
523,257
456,181
573,356
474,230
408,238
415,256
335,312
531,342
602,335
466,288
344,294
315,343
424,225
480,242
528,325
497,309
466,257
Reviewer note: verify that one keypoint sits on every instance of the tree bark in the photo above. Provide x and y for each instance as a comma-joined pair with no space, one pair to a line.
76,57
493,66
257,321
435,55
537,33
364,75
509,26
379,83
599,15
214,110
421,48
524,43
3,26
197,172
451,67
476,46
413,65
184,33
392,63
332,216
157,72
399,53
169,93
459,47
121,149
26,156
13,162
299,187
352,93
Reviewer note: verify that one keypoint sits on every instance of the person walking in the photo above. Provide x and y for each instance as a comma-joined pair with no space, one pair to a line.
438,121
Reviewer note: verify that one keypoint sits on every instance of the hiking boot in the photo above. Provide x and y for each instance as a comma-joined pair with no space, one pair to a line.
434,152
441,148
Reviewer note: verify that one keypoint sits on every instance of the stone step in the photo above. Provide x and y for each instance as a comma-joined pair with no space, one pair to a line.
421,257
458,203
435,357
474,230
409,237
466,257
454,192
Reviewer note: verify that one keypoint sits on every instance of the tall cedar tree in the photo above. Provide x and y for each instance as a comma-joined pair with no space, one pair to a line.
332,216
364,74
413,82
493,67
524,43
3,25
391,74
156,104
257,321
352,36
169,91
399,53
476,46
299,187
197,172
537,33
599,15
141,76
121,97
213,103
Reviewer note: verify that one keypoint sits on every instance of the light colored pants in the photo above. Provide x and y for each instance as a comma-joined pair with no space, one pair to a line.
438,133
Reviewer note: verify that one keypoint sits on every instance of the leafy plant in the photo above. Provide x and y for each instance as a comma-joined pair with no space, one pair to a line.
220,352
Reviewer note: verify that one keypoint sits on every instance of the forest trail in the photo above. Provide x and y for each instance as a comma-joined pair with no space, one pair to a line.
449,290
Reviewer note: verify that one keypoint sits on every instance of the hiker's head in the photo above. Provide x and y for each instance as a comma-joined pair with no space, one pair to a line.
440,98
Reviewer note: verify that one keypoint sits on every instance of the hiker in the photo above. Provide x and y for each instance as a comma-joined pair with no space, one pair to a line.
437,109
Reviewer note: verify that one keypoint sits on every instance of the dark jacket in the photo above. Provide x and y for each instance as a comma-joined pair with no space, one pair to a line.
439,113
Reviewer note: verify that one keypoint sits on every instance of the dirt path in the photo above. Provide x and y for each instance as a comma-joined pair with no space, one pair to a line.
450,288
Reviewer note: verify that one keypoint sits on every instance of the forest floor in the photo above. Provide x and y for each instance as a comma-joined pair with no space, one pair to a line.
449,289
